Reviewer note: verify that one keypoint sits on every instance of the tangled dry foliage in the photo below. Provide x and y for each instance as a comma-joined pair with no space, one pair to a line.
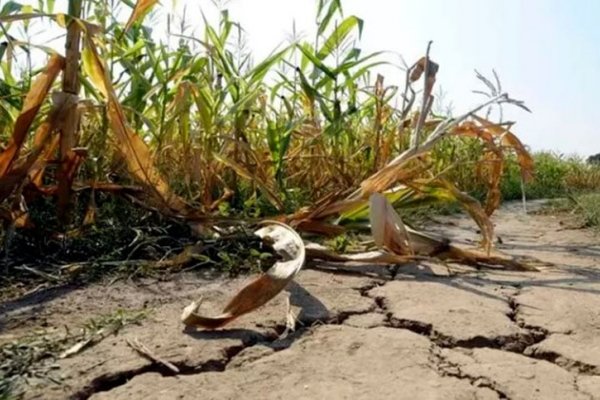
216,129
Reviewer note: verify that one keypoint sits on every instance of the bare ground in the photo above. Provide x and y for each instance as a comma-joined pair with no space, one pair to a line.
417,332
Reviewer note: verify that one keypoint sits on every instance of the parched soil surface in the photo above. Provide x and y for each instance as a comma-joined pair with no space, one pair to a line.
415,332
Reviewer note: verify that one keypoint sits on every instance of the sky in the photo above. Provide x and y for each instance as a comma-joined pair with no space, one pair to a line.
546,52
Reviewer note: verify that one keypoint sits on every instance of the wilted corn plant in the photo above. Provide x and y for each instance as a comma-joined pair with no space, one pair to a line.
306,135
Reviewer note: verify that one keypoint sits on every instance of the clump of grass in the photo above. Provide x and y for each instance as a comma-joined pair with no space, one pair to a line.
21,361
585,207
588,207
347,242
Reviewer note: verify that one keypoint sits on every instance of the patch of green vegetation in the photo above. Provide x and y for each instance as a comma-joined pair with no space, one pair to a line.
125,241
30,357
555,176
346,243
586,207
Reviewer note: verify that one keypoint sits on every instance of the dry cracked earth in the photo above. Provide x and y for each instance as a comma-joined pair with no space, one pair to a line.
413,332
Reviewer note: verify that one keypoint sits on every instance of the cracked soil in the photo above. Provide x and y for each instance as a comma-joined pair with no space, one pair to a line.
418,332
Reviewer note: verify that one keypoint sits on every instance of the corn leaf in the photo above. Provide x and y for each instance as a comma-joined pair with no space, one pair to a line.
308,53
335,6
33,101
142,7
131,146
288,244
387,227
509,139
339,35
269,192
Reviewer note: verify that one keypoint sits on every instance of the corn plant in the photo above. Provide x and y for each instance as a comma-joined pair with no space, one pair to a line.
191,129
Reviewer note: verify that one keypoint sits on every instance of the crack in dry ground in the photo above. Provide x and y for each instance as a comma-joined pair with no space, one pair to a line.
541,334
108,382
444,367
575,366
518,343
515,343
277,342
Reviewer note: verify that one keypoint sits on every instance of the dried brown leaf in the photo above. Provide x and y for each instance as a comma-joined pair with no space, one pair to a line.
387,227
389,176
288,244
425,244
268,190
419,68
509,139
134,150
33,101
33,165
318,252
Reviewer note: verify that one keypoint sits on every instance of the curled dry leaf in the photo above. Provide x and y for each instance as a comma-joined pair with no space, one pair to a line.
420,66
509,139
288,244
315,251
491,166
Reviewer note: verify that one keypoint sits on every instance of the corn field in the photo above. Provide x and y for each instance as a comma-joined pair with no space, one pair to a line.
203,133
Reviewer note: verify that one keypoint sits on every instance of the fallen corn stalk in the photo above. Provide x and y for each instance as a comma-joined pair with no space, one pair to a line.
397,243
400,244
390,234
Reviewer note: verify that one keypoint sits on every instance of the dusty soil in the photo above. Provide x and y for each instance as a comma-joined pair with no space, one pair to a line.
416,332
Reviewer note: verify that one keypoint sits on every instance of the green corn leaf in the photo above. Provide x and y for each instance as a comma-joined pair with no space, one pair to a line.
130,52
309,91
259,72
226,26
352,63
3,47
205,104
339,35
335,6
307,51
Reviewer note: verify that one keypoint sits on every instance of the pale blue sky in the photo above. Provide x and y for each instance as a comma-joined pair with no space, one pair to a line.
546,52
